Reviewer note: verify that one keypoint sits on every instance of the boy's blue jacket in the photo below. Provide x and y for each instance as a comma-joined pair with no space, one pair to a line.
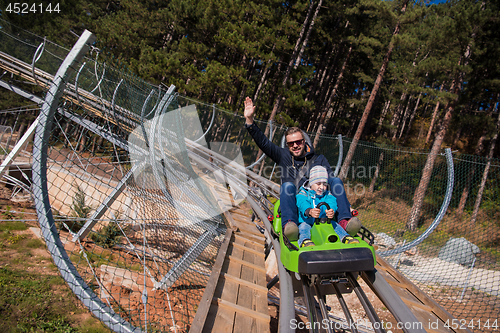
308,199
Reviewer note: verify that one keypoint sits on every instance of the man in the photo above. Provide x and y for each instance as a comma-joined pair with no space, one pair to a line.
294,163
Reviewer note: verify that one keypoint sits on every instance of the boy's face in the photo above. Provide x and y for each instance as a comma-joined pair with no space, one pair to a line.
319,188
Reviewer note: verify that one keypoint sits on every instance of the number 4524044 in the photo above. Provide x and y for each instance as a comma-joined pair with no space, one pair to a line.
36,8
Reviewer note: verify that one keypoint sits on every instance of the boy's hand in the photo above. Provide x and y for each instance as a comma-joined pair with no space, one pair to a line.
330,213
249,110
315,212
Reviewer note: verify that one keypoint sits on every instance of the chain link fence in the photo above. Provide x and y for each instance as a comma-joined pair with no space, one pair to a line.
140,260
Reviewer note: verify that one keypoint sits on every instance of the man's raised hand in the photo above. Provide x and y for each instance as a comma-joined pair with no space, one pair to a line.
249,110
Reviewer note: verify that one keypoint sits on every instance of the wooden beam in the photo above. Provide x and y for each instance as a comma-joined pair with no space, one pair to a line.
246,263
206,299
244,282
243,247
251,240
248,312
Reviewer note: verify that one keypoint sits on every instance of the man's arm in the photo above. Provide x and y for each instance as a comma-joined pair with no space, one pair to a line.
268,147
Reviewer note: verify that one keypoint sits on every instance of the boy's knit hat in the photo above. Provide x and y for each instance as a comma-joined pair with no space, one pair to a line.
318,174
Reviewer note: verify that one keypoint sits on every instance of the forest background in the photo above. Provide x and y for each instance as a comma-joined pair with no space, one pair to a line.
401,72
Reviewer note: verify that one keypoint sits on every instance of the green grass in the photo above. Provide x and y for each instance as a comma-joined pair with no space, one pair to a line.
33,296
39,303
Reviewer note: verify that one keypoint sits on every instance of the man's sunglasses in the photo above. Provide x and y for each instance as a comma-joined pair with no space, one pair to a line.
298,142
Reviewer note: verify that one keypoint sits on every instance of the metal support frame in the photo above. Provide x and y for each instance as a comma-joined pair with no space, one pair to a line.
104,206
310,304
370,311
322,306
46,220
19,146
187,259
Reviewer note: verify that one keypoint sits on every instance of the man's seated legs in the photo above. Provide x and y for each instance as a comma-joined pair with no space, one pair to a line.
343,214
288,205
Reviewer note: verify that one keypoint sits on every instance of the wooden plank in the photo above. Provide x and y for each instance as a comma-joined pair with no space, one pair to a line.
413,304
245,323
254,314
223,207
246,248
259,240
206,299
224,316
240,238
242,219
240,211
249,229
246,263
245,283
259,299
228,290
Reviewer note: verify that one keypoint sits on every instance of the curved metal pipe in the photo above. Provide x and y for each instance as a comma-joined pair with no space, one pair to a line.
97,77
341,156
209,126
43,207
76,81
142,118
114,96
440,215
113,103
36,57
153,109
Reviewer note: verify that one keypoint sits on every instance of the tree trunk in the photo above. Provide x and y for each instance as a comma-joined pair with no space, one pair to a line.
410,123
433,120
470,174
405,118
421,132
327,113
377,170
397,116
382,116
418,197
485,175
371,100
295,56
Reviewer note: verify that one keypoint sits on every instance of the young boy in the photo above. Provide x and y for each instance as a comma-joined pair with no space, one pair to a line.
311,194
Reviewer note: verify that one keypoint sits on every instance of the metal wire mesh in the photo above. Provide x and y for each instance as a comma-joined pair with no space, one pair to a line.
150,242
458,263
135,261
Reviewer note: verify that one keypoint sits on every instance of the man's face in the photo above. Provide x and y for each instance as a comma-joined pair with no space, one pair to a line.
296,144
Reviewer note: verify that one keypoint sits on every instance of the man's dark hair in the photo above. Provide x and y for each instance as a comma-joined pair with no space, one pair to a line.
292,130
